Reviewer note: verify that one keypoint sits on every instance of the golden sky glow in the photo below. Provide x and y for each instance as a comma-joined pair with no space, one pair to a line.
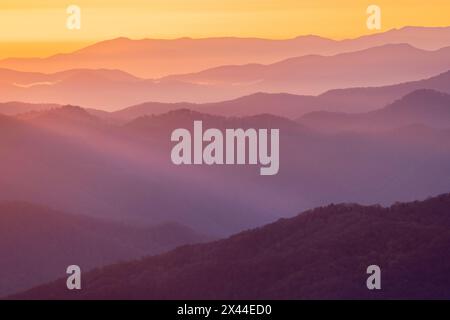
38,28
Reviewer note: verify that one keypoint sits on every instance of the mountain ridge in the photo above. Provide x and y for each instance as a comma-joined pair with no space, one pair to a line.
222,50
304,75
322,253
423,106
46,241
352,100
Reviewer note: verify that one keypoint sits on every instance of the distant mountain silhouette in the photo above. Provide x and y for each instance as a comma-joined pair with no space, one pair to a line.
152,108
281,104
103,89
15,108
183,118
305,75
67,120
37,244
60,115
316,74
352,100
85,166
153,58
371,98
32,110
320,254
28,79
427,107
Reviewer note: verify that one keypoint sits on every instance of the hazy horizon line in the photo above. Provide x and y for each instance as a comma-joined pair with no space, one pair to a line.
92,42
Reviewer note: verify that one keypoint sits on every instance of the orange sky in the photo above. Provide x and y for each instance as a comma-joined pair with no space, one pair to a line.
37,28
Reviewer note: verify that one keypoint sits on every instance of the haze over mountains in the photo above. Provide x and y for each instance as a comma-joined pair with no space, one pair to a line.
305,75
118,173
320,254
427,107
352,100
111,147
151,58
103,162
15,108
37,243
363,120
385,65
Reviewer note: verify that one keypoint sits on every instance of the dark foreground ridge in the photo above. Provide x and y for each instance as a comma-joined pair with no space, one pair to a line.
322,253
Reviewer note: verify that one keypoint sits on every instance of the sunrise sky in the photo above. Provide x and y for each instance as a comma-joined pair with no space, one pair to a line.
37,28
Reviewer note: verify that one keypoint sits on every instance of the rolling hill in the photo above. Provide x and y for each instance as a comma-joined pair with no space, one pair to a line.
320,254
37,244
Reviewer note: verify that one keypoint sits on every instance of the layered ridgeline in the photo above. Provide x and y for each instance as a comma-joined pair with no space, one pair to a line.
421,107
322,254
125,171
37,244
303,75
350,100
154,58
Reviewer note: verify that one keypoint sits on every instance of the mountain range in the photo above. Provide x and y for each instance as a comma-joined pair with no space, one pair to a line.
305,75
118,172
315,74
124,171
87,177
320,254
153,58
37,243
351,100
427,107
